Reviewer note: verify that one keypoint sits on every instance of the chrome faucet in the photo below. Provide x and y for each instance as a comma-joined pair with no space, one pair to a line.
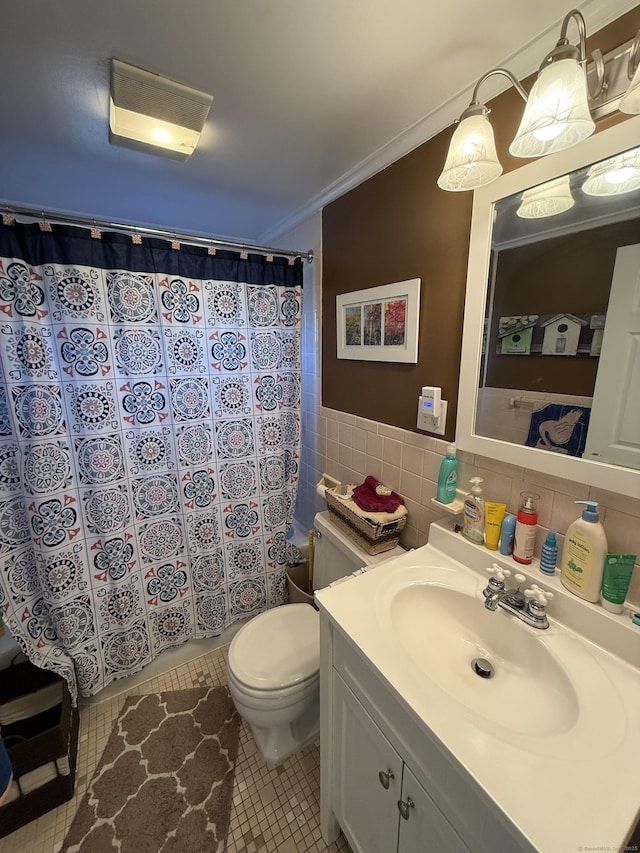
529,605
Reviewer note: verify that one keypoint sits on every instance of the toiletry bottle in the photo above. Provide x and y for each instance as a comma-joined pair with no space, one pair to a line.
448,477
507,534
618,569
585,548
549,554
473,525
526,527
493,515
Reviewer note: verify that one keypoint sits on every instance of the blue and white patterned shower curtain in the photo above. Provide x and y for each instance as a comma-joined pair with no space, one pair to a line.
149,444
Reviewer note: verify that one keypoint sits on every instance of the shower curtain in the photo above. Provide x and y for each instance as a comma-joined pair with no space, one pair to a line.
149,443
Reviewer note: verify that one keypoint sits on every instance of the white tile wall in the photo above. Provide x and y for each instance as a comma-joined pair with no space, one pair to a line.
349,448
409,463
500,418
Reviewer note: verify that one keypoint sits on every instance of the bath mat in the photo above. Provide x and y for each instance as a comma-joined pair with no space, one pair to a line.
165,780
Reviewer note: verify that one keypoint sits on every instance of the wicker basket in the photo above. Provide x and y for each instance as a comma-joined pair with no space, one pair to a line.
372,537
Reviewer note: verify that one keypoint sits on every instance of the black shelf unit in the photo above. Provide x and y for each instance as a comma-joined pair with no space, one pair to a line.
50,735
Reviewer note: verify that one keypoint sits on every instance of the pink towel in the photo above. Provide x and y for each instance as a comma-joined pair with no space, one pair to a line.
368,499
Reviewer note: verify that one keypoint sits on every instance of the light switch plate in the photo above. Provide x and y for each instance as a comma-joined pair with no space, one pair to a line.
428,423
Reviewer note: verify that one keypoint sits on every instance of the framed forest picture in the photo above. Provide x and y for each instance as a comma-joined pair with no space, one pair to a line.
380,323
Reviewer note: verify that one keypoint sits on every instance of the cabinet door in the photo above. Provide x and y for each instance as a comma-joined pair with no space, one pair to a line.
423,828
365,802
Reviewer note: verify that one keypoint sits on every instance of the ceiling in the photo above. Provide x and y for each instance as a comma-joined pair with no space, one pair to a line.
310,98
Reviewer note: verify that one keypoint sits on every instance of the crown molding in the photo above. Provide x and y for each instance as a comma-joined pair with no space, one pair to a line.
525,61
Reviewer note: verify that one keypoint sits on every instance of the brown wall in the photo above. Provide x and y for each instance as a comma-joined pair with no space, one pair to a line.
399,225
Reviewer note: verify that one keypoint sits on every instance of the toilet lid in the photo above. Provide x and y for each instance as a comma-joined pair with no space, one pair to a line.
278,648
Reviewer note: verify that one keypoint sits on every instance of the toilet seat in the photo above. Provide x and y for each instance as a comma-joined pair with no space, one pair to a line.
276,650
280,696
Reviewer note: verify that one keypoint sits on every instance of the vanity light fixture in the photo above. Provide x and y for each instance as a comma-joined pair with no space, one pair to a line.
557,114
472,160
548,199
630,102
558,111
154,114
615,175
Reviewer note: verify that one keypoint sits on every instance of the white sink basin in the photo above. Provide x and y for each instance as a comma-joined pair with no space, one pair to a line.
550,690
444,631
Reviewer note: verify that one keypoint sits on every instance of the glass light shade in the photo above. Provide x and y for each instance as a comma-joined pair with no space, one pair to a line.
152,131
630,102
547,199
472,160
557,113
614,176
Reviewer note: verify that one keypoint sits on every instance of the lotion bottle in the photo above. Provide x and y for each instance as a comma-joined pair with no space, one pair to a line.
473,526
526,528
584,552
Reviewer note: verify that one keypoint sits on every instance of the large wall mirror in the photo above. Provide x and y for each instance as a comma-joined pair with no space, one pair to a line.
550,372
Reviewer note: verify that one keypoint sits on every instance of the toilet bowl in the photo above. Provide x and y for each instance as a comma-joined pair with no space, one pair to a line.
274,660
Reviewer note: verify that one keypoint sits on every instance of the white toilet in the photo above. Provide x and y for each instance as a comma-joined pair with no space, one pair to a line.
274,660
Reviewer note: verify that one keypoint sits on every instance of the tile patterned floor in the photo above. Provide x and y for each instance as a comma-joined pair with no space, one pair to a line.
275,810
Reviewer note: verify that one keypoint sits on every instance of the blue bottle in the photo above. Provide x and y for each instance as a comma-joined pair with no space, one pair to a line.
448,477
549,554
507,535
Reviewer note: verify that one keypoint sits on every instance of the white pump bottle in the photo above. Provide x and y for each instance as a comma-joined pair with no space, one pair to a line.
585,547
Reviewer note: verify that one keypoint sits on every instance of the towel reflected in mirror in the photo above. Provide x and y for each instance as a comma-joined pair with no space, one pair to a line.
559,428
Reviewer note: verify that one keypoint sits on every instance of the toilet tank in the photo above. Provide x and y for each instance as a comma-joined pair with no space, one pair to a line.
335,555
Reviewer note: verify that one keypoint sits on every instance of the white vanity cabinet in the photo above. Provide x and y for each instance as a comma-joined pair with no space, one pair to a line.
366,735
380,805
504,764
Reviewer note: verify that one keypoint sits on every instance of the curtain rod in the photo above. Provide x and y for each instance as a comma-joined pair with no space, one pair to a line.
62,218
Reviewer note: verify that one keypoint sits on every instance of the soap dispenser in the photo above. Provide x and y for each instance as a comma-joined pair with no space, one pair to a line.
583,555
473,524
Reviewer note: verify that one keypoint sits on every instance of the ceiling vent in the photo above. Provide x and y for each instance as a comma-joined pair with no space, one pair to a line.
149,110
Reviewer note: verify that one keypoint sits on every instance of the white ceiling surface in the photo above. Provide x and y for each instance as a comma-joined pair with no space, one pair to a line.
310,97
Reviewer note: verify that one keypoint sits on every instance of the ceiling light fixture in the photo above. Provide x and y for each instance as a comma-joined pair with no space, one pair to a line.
558,111
152,113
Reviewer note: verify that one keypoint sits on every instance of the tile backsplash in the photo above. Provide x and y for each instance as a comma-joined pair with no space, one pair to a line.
349,448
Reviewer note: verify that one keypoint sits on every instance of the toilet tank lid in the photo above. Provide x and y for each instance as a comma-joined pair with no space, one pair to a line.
278,648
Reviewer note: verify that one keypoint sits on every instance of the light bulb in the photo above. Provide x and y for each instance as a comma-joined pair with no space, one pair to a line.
160,134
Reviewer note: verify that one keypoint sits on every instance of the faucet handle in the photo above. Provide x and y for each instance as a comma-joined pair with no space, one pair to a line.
498,572
541,596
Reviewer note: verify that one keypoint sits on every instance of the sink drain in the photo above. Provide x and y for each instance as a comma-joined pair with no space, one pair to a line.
483,668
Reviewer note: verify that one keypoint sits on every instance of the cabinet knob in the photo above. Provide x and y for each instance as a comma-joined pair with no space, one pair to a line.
404,806
385,778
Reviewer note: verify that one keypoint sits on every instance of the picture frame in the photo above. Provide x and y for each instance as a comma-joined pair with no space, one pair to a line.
379,323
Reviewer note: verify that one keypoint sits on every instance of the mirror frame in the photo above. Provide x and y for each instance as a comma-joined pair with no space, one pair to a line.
604,475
